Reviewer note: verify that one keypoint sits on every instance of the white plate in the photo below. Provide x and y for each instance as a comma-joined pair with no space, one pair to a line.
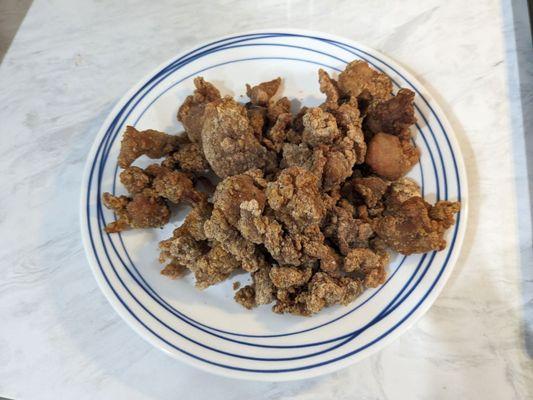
208,329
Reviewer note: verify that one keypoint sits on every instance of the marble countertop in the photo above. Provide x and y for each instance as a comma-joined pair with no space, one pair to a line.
71,61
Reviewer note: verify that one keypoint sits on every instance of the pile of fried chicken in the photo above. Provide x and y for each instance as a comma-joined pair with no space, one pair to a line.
309,204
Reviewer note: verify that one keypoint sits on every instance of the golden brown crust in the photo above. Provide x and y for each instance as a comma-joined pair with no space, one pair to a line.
330,88
174,270
358,79
261,94
189,158
214,266
228,140
276,108
416,226
390,157
143,210
151,143
393,116
285,277
191,112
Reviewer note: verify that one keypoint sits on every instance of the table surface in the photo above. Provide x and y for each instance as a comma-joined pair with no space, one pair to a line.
71,61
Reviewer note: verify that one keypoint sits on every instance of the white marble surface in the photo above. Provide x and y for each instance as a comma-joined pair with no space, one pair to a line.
71,61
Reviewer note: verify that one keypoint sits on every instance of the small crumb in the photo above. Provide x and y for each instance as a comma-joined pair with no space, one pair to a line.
236,285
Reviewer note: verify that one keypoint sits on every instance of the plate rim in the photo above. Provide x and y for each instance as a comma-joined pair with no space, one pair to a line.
293,375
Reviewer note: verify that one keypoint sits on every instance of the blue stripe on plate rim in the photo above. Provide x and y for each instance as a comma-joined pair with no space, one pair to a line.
246,37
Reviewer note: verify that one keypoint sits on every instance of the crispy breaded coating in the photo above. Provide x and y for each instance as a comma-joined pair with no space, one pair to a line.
191,113
257,116
301,155
188,242
444,213
359,80
345,230
175,186
143,210
393,116
367,263
332,145
399,191
218,228
222,226
135,179
245,296
371,189
232,191
349,120
416,226
390,157
151,143
195,220
228,141
339,164
320,127
330,88
276,108
322,291
261,291
285,277
182,248
295,199
275,136
189,158
261,94
325,290
213,267
263,286
290,248
174,270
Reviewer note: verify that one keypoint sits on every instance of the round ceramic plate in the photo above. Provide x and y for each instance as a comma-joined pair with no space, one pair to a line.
207,328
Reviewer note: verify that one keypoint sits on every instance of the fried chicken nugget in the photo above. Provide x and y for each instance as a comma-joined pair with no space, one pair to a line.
143,210
393,116
261,94
223,224
390,157
192,112
228,141
296,199
188,158
175,186
345,230
322,291
188,241
416,226
359,80
213,267
369,263
330,88
261,291
151,143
